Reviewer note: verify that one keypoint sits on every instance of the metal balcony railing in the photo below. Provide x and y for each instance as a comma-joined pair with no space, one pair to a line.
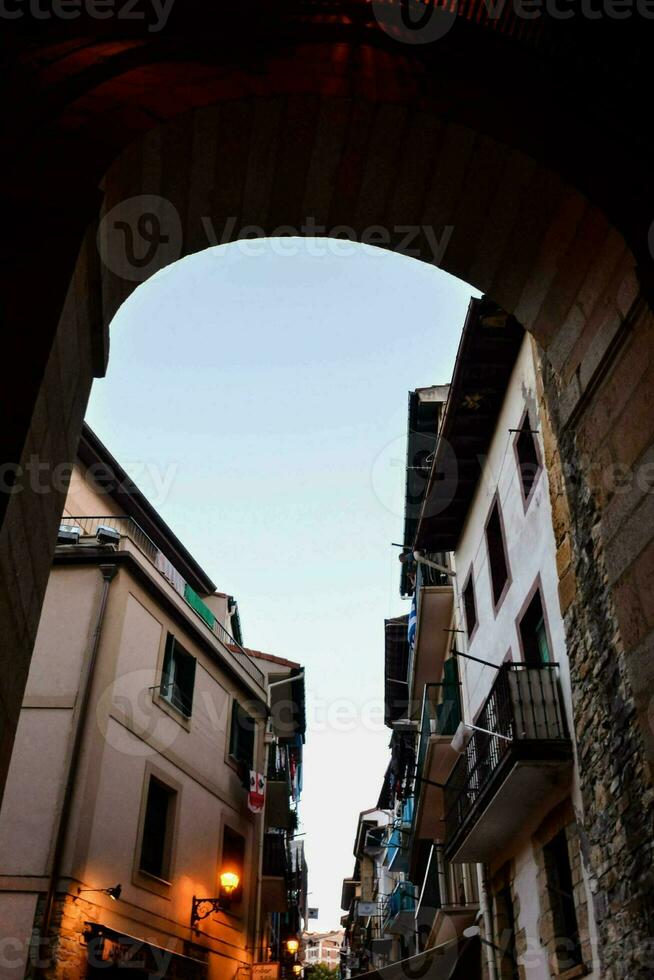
128,528
524,705
430,576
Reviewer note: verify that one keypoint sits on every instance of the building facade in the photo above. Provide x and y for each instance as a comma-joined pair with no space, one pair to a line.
485,778
136,827
322,947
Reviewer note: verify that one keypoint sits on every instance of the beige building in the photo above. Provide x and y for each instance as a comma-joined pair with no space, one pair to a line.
323,947
129,795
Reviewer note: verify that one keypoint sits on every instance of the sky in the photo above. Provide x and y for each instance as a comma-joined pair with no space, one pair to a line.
257,394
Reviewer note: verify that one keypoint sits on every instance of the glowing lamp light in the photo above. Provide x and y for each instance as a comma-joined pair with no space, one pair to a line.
229,881
292,945
297,969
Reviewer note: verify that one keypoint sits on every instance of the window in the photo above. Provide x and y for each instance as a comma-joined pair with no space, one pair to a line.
528,457
561,901
469,606
156,845
499,570
233,859
178,677
241,737
533,633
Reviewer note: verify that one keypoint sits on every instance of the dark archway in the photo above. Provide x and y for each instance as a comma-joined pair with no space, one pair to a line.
511,154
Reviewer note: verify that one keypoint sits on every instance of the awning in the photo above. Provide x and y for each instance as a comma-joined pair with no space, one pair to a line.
450,961
107,947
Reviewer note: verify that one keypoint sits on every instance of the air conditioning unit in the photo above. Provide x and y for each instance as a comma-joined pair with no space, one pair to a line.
68,534
107,535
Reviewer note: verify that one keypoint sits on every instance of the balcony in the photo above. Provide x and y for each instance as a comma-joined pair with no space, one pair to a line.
275,873
497,787
399,843
129,530
434,615
441,714
449,900
279,813
399,909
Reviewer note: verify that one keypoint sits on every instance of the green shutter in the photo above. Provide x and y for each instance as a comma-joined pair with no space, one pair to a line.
541,642
449,712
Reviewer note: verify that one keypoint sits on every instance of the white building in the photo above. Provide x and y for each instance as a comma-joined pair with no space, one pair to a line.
512,804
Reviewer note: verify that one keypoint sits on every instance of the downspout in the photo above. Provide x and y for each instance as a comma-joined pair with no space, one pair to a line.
258,938
108,574
484,908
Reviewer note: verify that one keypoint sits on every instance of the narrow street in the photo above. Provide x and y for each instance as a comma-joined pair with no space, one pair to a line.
326,490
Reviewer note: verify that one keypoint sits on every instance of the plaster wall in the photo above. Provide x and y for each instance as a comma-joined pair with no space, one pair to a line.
531,558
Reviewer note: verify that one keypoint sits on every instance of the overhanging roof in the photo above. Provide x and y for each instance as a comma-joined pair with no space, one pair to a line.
111,476
487,353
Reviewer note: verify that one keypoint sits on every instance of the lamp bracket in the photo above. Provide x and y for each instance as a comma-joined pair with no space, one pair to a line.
202,908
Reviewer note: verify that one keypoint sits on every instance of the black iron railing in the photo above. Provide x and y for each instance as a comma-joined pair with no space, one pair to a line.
524,706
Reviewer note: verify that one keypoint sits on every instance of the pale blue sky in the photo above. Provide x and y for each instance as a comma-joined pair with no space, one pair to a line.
258,395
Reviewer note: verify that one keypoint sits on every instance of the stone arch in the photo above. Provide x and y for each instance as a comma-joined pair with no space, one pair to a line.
336,124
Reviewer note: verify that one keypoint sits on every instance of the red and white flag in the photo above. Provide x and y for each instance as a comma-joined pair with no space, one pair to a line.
257,794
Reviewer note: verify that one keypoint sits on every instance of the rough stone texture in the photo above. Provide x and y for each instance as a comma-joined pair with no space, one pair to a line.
562,818
67,956
501,880
616,780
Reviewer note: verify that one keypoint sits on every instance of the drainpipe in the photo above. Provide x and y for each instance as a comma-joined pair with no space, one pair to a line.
81,710
258,937
485,909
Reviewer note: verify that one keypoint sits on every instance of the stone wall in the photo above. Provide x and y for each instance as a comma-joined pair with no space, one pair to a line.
562,818
67,959
611,725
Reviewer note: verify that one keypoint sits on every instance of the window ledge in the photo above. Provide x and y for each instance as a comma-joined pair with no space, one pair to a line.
171,710
151,883
581,970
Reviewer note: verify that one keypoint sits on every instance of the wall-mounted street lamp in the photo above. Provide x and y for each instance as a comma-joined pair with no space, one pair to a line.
113,892
297,969
292,946
203,907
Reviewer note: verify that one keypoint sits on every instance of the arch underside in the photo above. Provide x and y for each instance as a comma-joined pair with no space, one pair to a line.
514,159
